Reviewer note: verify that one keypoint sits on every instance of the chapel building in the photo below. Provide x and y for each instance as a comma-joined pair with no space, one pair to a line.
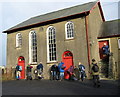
68,35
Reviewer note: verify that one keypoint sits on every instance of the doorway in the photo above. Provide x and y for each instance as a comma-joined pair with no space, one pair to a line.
21,62
67,58
101,43
104,59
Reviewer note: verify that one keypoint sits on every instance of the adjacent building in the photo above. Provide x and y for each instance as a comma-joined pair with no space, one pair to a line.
110,34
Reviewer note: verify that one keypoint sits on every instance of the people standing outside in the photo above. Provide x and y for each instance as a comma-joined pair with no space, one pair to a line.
106,53
105,60
70,72
76,72
40,70
18,72
53,72
57,73
61,68
29,71
105,49
82,71
95,73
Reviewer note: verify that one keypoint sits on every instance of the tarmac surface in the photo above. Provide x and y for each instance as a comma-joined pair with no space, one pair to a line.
48,87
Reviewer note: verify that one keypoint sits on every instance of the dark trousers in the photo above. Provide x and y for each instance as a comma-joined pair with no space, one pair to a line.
96,81
53,75
29,76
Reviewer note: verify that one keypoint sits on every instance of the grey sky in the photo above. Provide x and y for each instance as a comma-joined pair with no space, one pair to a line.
14,12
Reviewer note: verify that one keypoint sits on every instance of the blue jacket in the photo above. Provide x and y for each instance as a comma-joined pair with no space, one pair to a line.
81,67
60,67
40,66
105,49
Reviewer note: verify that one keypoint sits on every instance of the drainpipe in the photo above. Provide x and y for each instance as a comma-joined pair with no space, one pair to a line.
87,39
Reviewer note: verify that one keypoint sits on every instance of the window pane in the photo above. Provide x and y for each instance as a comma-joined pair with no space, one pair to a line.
18,40
33,46
69,29
119,43
52,41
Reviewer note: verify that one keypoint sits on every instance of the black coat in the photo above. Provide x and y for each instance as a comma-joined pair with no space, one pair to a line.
54,68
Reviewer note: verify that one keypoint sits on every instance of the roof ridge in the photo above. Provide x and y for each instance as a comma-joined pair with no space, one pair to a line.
65,9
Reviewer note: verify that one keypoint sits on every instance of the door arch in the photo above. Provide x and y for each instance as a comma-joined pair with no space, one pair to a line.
67,58
21,62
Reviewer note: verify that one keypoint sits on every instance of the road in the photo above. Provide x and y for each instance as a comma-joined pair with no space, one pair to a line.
47,87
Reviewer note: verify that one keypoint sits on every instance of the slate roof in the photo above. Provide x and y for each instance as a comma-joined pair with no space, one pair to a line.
56,15
110,29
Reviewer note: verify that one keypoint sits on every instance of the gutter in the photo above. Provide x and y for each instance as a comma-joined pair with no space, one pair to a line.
87,39
108,36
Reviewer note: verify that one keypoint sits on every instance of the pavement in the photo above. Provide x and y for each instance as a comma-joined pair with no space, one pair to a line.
48,87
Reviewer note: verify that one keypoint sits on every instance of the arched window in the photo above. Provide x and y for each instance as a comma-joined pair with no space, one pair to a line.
51,44
119,43
69,30
18,40
32,47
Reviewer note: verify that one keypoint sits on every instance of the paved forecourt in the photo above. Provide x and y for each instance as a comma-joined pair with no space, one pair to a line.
47,87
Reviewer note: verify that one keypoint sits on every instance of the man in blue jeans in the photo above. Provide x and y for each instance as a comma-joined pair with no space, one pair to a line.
53,72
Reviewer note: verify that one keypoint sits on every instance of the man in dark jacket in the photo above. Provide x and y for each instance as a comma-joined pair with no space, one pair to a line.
54,70
40,70
95,73
40,66
82,71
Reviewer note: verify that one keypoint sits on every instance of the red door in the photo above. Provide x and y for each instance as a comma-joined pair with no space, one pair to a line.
21,62
67,58
101,43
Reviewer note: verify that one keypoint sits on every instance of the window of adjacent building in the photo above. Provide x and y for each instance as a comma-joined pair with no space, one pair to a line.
51,44
18,40
69,30
119,43
32,47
